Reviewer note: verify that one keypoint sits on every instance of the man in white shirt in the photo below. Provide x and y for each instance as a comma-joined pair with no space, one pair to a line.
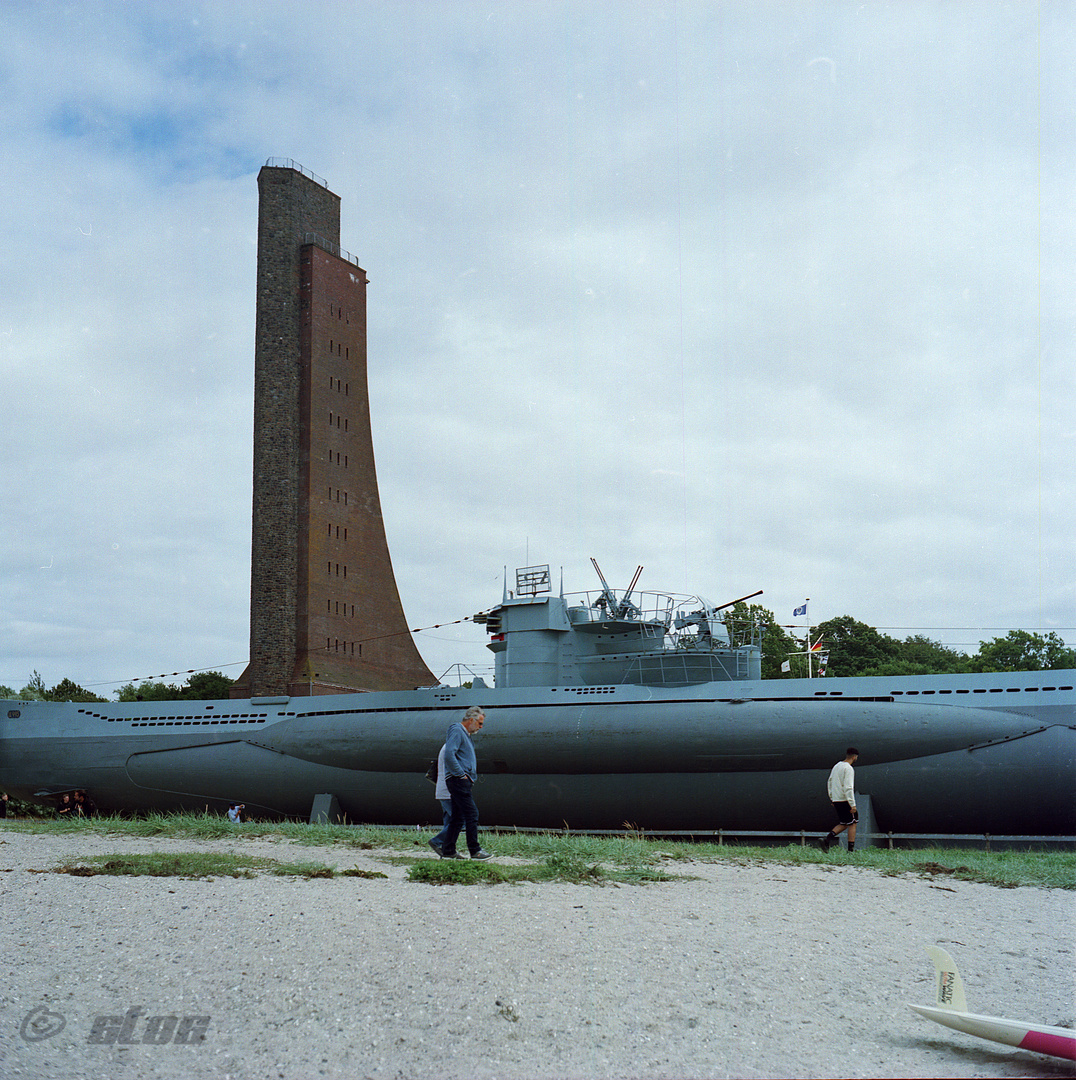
842,793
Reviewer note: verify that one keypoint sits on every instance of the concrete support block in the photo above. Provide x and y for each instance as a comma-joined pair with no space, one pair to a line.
865,828
326,810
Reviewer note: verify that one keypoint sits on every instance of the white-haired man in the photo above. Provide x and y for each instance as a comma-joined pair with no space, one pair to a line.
461,772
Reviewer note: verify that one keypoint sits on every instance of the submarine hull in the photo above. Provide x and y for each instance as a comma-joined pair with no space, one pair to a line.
998,756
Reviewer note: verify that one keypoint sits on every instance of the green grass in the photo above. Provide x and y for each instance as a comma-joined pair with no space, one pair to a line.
190,864
628,857
1007,869
558,866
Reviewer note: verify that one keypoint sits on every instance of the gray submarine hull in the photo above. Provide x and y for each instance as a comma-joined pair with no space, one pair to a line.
960,753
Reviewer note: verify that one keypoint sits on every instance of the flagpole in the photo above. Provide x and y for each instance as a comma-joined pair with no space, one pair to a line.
808,614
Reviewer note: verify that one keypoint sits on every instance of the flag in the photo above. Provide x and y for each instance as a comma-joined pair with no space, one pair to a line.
799,611
786,666
816,647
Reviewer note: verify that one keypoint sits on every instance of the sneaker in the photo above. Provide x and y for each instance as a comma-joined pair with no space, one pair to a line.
480,854
825,841
453,855
436,845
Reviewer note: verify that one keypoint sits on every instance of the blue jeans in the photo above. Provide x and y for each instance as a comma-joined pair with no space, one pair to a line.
464,816
446,810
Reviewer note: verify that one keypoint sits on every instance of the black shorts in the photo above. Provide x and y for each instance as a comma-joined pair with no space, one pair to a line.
845,814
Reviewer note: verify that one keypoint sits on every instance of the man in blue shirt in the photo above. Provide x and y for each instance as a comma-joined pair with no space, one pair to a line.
461,771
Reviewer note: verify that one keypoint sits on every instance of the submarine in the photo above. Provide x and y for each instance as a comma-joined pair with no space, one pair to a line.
608,710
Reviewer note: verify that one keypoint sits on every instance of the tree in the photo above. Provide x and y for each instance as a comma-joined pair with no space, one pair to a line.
204,686
1023,651
939,659
148,691
741,618
854,648
66,690
919,655
207,686
35,689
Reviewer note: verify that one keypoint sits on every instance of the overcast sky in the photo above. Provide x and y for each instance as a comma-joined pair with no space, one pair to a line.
757,296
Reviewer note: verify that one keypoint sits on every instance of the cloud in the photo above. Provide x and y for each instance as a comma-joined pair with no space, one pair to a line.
756,296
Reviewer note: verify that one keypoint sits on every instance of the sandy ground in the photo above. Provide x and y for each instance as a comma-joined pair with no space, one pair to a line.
758,971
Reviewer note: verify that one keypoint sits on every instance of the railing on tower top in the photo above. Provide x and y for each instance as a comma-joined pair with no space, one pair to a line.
287,163
332,249
313,238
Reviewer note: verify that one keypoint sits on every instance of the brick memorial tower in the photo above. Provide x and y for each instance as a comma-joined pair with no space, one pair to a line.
325,612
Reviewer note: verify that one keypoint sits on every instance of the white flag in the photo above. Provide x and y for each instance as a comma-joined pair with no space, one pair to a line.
786,666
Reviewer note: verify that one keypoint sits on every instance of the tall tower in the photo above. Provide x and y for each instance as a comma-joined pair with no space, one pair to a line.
325,612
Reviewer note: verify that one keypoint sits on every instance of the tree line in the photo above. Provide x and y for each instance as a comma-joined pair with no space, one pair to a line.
203,686
852,648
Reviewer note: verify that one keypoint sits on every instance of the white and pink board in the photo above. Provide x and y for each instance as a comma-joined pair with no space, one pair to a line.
951,1010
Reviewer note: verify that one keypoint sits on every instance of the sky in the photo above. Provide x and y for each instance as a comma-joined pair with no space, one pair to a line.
755,296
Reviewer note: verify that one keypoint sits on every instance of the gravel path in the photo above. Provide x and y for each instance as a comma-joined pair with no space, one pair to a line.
748,971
